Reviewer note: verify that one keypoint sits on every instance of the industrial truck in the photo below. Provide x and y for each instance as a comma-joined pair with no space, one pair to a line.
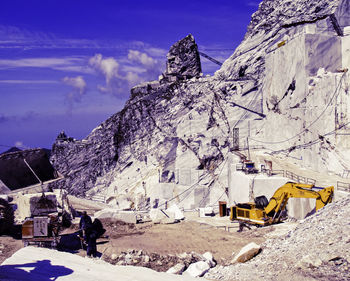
263,212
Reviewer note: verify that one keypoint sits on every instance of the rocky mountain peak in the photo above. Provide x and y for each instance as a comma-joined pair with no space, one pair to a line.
274,14
273,22
183,59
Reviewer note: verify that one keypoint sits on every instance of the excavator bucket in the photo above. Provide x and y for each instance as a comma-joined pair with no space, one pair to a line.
326,196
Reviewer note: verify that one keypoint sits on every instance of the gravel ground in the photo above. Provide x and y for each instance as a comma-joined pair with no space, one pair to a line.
317,249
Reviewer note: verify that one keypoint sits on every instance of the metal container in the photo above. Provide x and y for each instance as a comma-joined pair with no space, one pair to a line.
28,228
222,208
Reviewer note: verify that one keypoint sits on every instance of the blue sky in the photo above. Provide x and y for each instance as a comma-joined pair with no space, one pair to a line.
69,64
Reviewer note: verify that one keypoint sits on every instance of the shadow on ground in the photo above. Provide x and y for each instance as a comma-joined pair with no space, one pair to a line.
41,270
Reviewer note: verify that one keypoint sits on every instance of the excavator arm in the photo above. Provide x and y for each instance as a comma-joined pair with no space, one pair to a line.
298,190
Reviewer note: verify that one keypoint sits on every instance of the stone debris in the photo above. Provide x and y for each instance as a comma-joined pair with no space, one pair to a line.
247,252
192,263
317,249
197,269
209,258
177,269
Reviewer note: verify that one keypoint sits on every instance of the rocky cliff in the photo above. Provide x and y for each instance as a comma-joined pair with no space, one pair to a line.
173,140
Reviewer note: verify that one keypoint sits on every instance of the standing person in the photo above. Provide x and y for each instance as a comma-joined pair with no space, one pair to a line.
84,224
91,236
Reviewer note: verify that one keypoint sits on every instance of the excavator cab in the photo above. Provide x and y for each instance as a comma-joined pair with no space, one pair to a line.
249,213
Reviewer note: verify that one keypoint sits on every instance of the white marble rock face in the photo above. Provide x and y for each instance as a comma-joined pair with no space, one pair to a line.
174,136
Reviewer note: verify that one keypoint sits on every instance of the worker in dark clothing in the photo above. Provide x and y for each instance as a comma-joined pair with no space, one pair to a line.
84,224
91,236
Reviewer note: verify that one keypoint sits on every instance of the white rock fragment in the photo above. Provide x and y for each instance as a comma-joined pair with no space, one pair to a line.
114,256
174,211
247,252
209,258
309,262
146,259
197,269
177,269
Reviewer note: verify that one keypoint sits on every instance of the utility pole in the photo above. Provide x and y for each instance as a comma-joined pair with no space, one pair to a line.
248,149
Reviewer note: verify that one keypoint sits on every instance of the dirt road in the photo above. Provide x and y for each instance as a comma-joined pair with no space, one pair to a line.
164,241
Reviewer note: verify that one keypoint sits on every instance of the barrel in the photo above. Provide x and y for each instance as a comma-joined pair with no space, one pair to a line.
222,208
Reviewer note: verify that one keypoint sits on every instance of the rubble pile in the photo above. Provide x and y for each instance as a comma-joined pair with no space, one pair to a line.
176,264
318,249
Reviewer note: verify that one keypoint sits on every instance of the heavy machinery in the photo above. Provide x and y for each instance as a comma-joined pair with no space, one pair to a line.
247,166
262,212
41,227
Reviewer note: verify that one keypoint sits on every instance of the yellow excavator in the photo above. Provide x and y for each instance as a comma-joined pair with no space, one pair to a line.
262,212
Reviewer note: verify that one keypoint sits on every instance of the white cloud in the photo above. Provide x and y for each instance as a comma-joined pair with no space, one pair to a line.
79,88
157,52
122,74
142,58
133,68
133,78
108,66
78,83
78,68
19,144
71,63
146,67
29,81
118,81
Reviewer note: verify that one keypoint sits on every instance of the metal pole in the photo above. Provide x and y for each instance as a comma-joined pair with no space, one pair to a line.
248,149
32,171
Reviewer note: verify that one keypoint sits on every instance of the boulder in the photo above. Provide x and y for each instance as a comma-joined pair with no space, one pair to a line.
162,216
197,269
177,269
156,215
174,212
247,252
114,257
209,258
146,259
